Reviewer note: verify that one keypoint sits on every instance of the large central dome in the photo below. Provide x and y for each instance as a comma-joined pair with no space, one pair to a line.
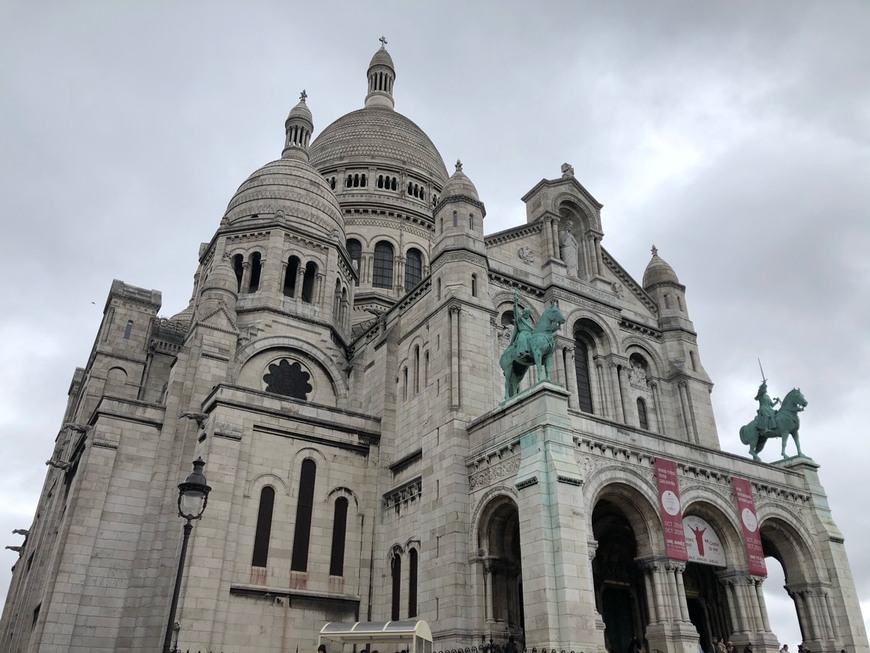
377,135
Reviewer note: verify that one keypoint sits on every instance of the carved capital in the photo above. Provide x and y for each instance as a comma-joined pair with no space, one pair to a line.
675,565
455,309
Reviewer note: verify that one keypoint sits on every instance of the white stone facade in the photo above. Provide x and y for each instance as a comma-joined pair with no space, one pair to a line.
337,368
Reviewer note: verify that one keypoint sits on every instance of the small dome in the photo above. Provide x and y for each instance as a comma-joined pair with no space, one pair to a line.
658,271
222,277
459,185
185,315
301,110
292,187
382,58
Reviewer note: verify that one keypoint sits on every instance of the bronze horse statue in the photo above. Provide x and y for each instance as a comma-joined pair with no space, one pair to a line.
530,347
787,424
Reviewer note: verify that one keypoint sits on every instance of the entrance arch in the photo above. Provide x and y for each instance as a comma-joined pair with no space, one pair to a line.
621,522
498,542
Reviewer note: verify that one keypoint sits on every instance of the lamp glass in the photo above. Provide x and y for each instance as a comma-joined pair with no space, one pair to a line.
191,502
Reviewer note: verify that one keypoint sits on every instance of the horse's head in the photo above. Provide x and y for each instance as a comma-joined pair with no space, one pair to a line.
551,320
796,398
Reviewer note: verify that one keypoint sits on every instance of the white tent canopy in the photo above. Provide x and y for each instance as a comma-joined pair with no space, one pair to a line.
413,636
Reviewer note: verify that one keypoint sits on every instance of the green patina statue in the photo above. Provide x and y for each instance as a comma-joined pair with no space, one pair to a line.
530,344
772,423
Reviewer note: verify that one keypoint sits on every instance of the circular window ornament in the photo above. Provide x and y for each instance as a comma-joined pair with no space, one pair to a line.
289,379
670,502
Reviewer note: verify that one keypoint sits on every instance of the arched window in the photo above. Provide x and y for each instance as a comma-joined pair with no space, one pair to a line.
128,329
412,583
383,266
394,185
416,369
455,219
256,268
238,268
442,224
332,183
474,285
354,249
641,414
380,181
405,384
336,300
264,527
471,221
410,188
581,370
362,181
426,368
413,269
290,276
679,303
308,282
667,301
693,361
349,181
339,531
302,531
396,575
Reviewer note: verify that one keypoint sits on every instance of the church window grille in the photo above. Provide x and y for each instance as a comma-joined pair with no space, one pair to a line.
238,268
474,285
383,266
128,329
308,282
290,276
396,575
339,531
354,249
412,583
581,368
302,531
264,527
288,379
256,268
413,269
642,418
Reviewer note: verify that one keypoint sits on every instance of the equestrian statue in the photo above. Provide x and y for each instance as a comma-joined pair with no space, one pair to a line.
530,344
772,423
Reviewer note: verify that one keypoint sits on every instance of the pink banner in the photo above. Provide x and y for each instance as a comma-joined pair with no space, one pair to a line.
749,521
671,509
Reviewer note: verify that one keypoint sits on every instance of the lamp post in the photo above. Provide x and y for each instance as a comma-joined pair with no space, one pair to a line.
192,499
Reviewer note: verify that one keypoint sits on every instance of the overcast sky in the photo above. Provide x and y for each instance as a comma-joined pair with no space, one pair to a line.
733,135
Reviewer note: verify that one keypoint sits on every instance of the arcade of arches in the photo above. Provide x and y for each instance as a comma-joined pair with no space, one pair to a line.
641,593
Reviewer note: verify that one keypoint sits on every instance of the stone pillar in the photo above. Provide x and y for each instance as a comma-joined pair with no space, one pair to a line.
657,406
300,280
554,226
559,360
679,568
548,238
743,622
455,312
729,599
489,608
600,400
618,407
318,288
246,277
571,377
623,395
762,606
598,256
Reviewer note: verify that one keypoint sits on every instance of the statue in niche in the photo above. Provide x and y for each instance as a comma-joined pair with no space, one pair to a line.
568,247
637,374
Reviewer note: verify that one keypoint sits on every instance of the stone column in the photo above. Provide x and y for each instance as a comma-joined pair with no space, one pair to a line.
679,568
318,288
300,281
743,622
598,256
599,399
282,278
548,238
657,406
729,599
618,407
489,608
246,277
571,377
835,631
623,394
559,360
762,606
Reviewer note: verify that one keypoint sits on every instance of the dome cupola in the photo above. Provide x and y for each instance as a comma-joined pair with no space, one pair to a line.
381,75
298,128
658,271
459,185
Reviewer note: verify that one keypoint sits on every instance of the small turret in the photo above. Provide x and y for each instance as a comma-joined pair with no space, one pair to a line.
459,216
220,288
298,129
381,76
661,282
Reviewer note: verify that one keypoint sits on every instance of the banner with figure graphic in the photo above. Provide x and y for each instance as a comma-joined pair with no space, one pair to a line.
702,542
749,522
671,508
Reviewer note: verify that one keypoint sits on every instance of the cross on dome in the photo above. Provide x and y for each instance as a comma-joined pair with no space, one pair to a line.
655,250
458,165
303,95
383,42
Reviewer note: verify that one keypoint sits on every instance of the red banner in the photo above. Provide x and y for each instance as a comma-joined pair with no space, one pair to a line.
749,521
671,509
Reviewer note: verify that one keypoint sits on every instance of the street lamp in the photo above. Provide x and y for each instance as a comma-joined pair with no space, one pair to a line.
192,499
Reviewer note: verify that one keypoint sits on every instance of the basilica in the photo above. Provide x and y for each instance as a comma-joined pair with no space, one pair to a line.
369,458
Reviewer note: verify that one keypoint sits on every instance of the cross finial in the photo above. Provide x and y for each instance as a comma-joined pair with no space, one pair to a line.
655,250
458,165
383,42
303,95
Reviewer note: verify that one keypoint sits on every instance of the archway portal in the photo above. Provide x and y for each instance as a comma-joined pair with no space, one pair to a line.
707,603
619,585
499,540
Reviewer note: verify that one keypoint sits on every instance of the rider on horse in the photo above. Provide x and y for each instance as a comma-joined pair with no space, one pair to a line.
523,326
766,417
